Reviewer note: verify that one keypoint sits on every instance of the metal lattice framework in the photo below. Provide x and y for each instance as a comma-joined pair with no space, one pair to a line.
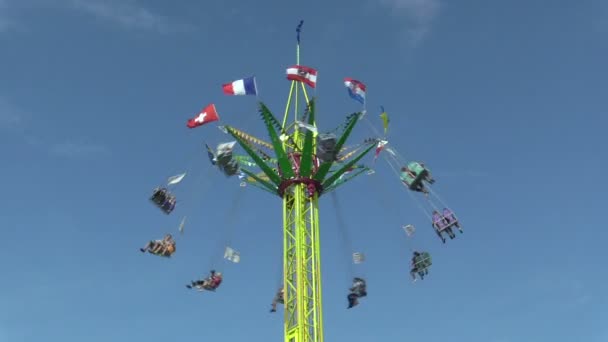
299,178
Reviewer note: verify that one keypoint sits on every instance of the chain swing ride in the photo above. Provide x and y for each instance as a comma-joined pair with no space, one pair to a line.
306,165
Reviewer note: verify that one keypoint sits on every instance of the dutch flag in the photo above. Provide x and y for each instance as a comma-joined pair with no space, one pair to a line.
356,89
246,86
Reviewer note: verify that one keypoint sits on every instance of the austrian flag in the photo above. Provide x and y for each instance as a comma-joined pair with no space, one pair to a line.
302,73
207,115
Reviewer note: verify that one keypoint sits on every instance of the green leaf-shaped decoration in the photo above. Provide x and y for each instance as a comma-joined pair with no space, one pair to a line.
272,175
306,158
284,163
266,184
337,183
329,181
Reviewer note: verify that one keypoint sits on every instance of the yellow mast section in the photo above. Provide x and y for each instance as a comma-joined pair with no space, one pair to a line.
301,243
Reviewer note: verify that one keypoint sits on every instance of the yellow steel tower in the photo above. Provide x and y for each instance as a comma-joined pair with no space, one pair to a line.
299,177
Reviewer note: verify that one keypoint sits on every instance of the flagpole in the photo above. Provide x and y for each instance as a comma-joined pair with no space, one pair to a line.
298,31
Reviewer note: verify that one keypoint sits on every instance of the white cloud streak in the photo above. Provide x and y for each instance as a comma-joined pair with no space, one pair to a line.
5,21
126,13
420,14
78,150
15,121
10,116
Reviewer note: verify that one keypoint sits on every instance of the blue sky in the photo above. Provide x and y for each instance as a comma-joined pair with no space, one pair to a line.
505,101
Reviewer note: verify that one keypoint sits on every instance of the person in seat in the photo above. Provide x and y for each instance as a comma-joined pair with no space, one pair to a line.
408,177
427,174
451,219
415,266
440,224
159,196
278,298
210,283
168,246
420,265
358,290
164,247
169,204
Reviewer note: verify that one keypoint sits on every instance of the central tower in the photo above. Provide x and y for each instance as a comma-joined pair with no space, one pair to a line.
300,173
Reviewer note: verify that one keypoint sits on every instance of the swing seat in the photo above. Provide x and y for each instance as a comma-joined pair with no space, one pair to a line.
205,287
423,262
161,200
326,147
167,253
452,219
417,169
413,182
224,158
440,225
170,249
159,196
230,168
167,207
409,181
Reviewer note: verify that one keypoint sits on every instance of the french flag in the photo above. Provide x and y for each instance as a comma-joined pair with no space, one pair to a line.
302,73
356,89
246,86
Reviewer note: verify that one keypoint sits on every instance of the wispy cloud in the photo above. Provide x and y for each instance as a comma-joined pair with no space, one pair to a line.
78,150
5,21
420,15
128,14
18,123
562,292
10,115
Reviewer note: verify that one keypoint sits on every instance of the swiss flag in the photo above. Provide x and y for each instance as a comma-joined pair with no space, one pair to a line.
207,115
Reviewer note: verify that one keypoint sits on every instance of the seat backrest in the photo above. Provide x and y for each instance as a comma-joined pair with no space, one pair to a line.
448,214
423,260
415,167
327,140
406,177
439,222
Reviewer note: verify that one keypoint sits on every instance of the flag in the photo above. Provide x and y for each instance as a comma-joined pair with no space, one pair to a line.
246,86
175,179
306,126
232,255
302,73
379,148
181,225
409,229
207,115
385,119
358,257
356,89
